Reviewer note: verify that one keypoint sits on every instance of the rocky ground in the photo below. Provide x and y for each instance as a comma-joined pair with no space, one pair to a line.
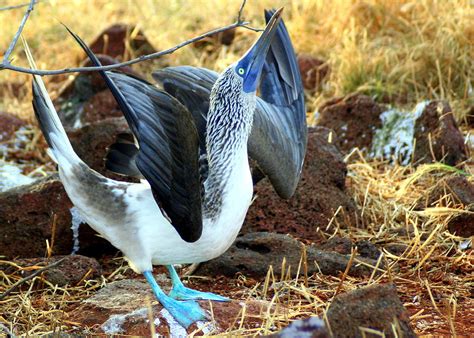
377,238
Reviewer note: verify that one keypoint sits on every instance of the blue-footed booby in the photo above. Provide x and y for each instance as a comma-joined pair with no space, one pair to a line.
193,136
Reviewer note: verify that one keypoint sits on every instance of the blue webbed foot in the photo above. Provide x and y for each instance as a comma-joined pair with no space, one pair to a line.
179,291
182,292
185,312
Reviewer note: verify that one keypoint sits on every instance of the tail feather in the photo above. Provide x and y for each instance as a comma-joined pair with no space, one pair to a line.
49,121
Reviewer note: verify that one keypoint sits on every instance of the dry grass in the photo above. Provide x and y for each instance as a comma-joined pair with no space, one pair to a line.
398,51
395,50
433,274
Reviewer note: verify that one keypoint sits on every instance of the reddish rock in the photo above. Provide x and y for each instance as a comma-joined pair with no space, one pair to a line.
101,106
120,308
313,71
218,39
27,215
455,189
91,141
320,193
354,118
375,307
254,253
8,125
79,97
70,271
122,41
438,138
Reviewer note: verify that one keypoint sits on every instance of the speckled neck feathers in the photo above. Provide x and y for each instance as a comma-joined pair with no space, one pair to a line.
229,122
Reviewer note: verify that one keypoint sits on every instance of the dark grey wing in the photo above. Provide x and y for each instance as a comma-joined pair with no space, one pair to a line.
168,142
279,132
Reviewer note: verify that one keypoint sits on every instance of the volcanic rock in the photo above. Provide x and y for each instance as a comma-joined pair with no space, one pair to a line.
252,254
344,246
120,308
354,118
375,307
122,41
32,214
313,71
311,327
8,125
457,190
91,141
218,39
85,98
70,271
438,138
320,192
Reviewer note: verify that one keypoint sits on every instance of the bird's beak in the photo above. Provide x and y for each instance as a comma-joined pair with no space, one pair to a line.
255,57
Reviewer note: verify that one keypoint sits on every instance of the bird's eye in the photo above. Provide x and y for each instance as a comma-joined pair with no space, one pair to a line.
241,71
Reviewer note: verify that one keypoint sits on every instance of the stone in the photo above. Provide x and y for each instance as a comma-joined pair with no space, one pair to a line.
44,215
455,189
375,307
82,95
320,193
92,140
354,118
252,254
438,138
71,271
122,41
313,71
9,124
311,327
344,246
210,43
121,308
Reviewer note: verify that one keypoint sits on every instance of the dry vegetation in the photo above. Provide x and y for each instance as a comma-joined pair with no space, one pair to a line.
397,51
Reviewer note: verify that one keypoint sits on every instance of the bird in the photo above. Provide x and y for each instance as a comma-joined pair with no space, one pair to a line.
192,138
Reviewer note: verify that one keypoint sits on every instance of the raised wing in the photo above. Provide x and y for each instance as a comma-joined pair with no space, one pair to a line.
168,147
279,132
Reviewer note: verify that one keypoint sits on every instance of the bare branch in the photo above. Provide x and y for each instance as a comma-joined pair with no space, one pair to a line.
7,65
122,64
241,9
7,8
20,29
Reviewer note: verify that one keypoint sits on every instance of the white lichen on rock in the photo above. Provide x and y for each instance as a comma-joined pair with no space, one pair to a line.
76,221
11,176
114,324
394,140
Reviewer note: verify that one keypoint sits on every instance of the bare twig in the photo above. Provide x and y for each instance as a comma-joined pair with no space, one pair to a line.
7,8
6,65
27,278
17,35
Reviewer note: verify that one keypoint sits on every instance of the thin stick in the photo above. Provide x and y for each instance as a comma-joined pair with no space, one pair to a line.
239,23
18,33
7,8
27,278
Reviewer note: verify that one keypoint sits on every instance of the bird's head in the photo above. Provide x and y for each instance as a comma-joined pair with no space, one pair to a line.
244,75
249,67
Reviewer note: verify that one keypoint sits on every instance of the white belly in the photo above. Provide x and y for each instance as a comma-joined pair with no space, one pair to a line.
146,237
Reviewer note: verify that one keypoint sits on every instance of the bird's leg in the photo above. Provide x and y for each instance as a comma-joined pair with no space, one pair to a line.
185,312
179,291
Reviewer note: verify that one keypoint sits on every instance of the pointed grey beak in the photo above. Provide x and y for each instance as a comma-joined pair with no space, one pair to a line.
254,59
